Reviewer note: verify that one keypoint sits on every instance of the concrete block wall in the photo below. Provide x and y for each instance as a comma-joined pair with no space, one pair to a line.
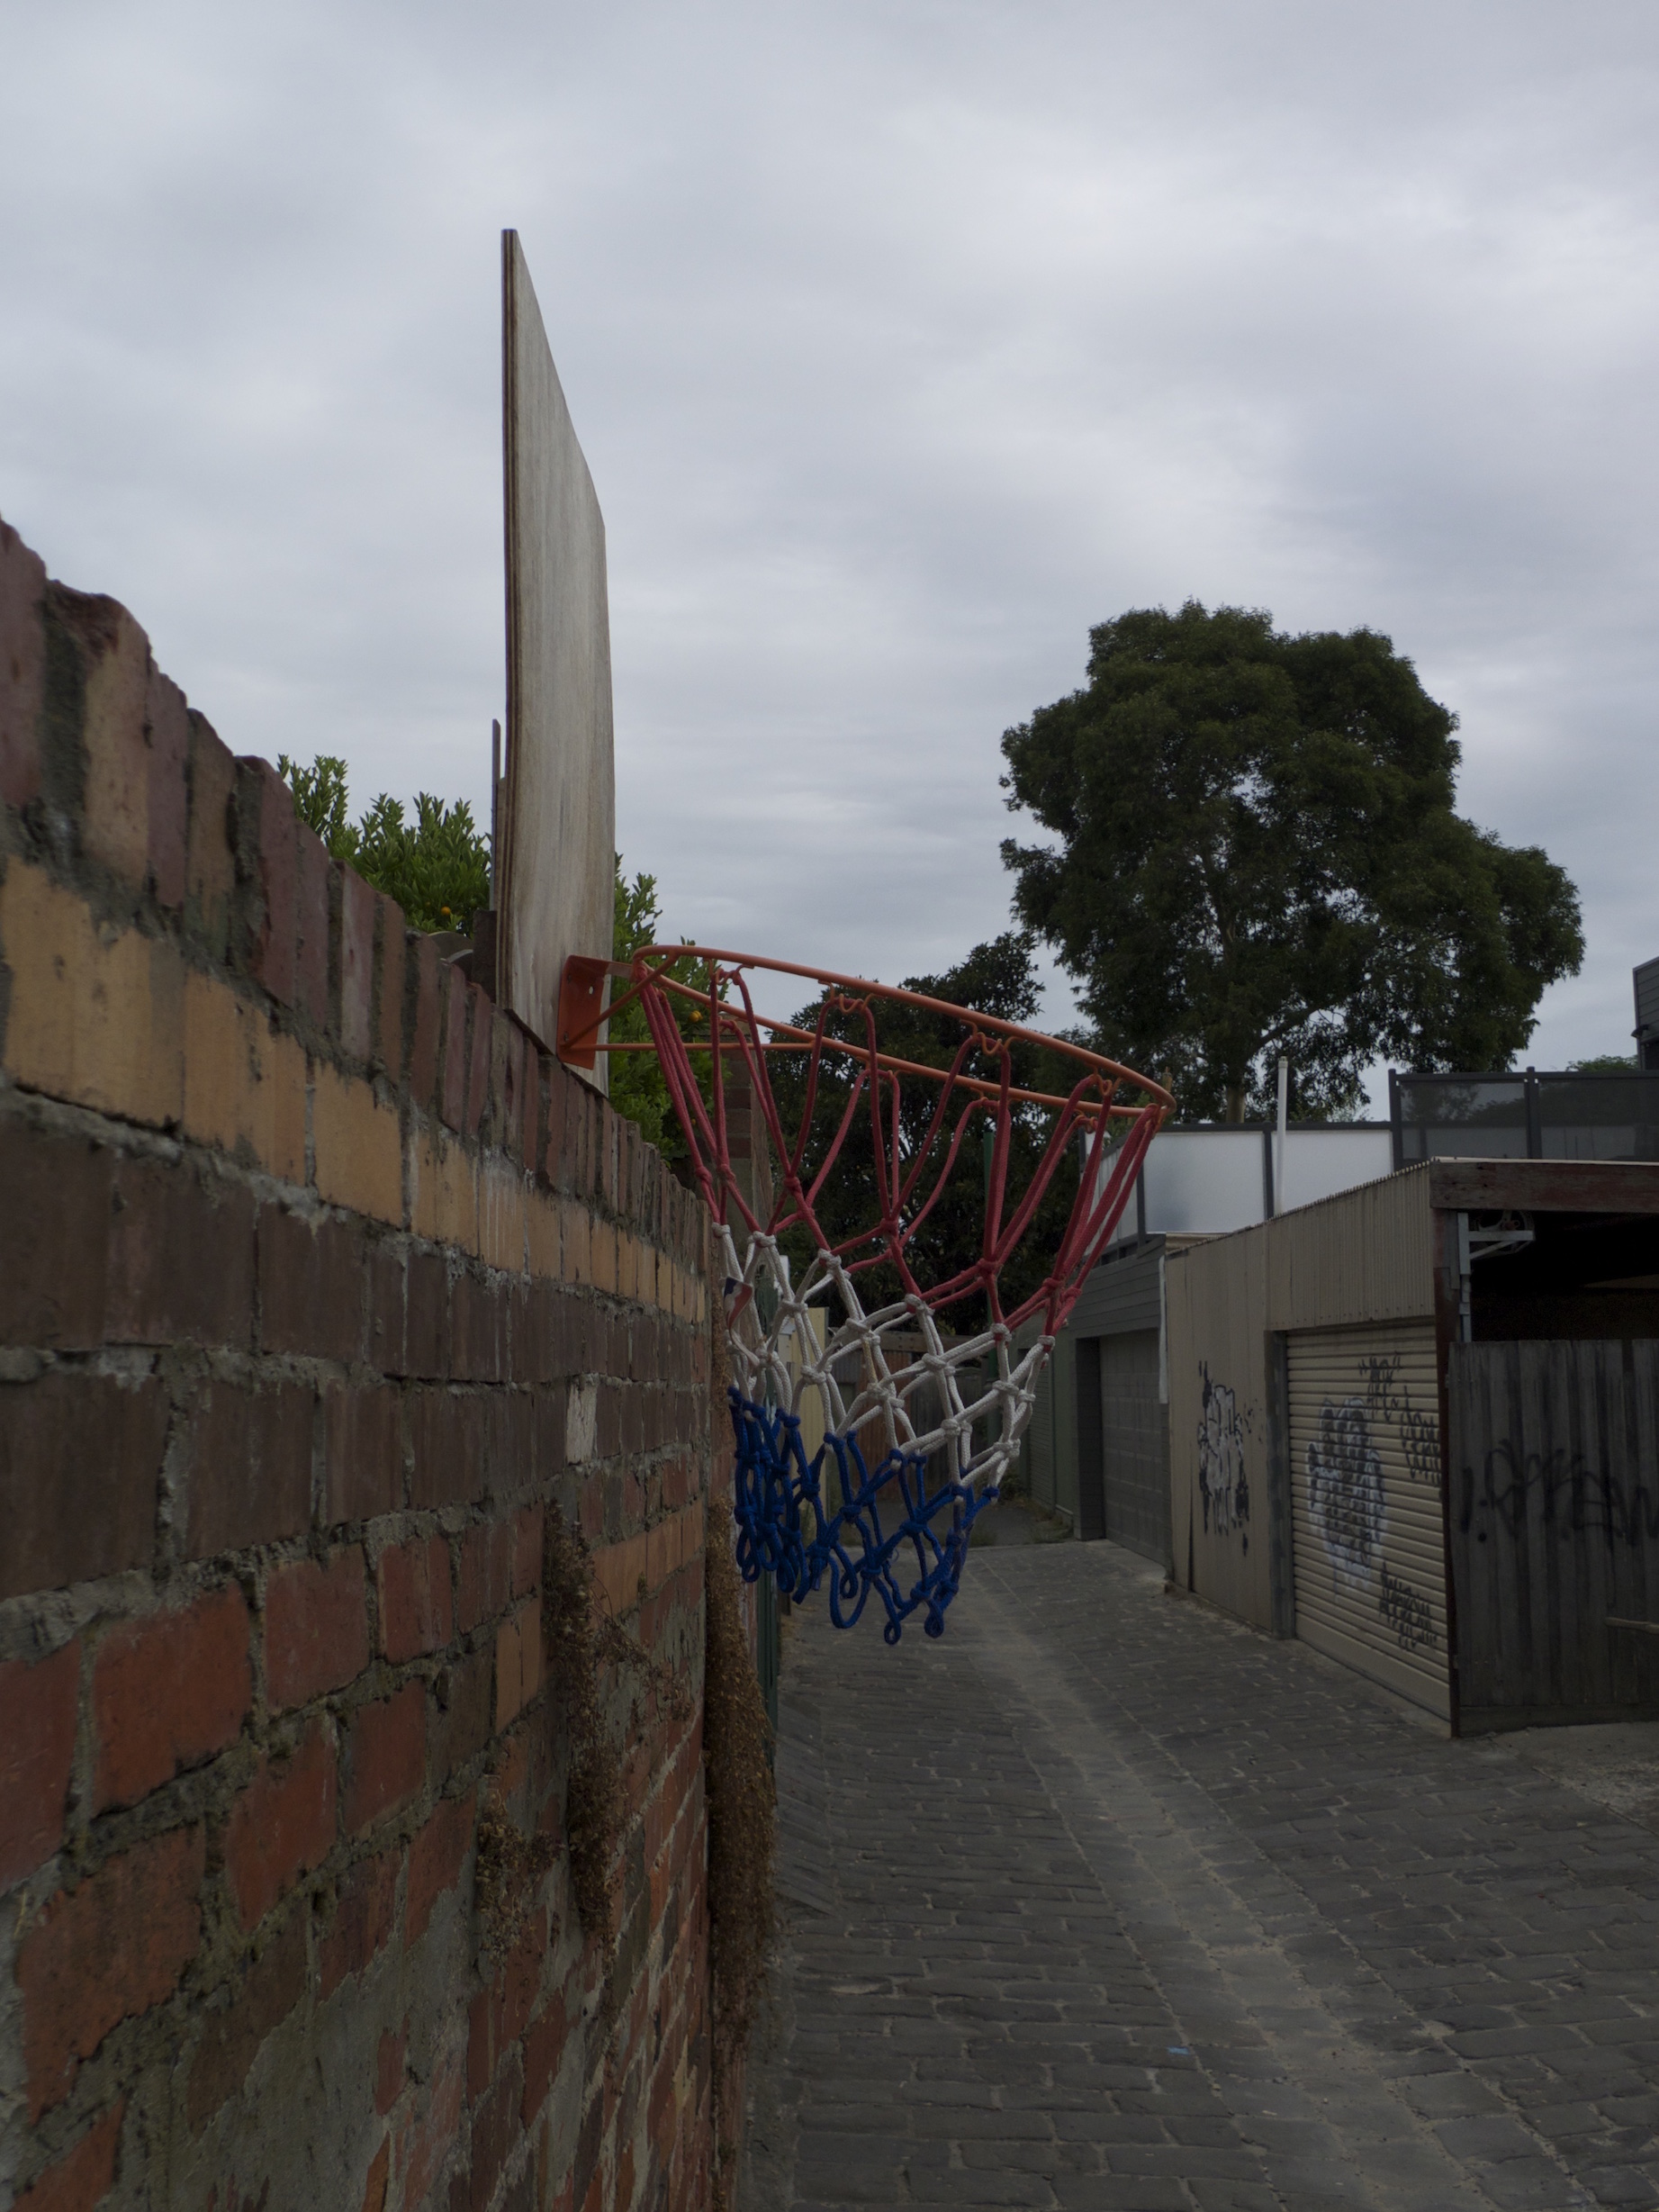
321,1286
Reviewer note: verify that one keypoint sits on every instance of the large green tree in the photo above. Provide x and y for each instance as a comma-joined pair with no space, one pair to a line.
1256,850
997,977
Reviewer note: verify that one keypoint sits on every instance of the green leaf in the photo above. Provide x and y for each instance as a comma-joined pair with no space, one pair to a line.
1253,849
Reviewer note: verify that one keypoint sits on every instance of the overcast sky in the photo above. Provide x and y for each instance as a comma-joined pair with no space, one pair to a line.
905,342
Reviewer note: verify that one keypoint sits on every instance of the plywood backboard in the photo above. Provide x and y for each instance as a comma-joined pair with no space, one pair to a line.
555,869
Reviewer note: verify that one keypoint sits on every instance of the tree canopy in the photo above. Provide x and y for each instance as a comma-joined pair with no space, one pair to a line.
1257,851
436,867
998,978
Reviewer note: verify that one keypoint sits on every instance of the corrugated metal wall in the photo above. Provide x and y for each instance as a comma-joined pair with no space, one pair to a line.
1365,1255
1216,1302
1047,1469
1555,1529
1122,1293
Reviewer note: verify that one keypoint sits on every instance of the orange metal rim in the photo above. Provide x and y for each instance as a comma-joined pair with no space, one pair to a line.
579,1038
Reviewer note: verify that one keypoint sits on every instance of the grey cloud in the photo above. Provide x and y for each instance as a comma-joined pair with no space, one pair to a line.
904,341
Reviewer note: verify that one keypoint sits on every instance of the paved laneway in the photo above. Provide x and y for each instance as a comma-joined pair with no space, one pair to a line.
1104,1902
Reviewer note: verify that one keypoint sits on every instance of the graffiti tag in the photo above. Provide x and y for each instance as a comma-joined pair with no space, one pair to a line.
1223,1487
1388,1405
1570,1497
1345,1489
1407,1614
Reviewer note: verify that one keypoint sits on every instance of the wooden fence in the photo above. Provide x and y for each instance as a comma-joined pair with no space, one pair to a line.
1553,1524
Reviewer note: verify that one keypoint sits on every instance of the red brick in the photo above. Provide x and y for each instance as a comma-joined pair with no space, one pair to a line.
209,879
281,1825
485,1584
511,1134
495,2130
316,1628
374,2186
390,957
266,844
311,925
499,2014
106,1953
452,1099
84,2177
436,1858
537,1098
268,1992
517,1662
445,1432
249,1454
80,1462
544,2049
477,1331
527,1569
54,1237
356,963
533,1106
363,1922
388,2068
483,1035
363,1452
521,1980
386,1757
431,2134
385,1266
37,1745
427,1311
415,1612
310,1286
423,1051
169,1690
23,667
461,1717
168,727
181,1266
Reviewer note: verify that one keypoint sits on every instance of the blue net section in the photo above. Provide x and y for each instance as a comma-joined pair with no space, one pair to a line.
830,1518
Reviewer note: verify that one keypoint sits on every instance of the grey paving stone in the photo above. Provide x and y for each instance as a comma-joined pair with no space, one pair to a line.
1089,1824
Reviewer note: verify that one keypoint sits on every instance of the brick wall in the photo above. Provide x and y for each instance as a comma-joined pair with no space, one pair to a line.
320,1288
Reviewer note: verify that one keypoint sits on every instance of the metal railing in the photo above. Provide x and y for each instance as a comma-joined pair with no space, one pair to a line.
1524,1114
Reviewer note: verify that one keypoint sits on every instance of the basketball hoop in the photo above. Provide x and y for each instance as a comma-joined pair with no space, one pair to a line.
921,1421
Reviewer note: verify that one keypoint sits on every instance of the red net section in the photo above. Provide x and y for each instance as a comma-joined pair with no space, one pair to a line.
879,1401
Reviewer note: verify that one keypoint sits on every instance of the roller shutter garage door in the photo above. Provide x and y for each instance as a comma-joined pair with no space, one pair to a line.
1370,1547
1135,1444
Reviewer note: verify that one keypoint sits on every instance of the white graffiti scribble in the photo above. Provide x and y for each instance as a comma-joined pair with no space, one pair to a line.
1345,1489
1224,1489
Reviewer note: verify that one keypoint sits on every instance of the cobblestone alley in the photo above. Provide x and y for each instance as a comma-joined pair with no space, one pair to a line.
1106,1901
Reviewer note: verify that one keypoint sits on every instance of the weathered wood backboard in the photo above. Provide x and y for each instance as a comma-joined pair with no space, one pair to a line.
558,819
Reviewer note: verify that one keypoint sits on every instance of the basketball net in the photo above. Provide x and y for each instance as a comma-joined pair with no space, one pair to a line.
921,1421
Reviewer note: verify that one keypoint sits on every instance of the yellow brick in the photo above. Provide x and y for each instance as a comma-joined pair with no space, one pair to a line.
356,1146
573,1219
500,1216
445,1206
542,1225
117,829
244,1081
628,1265
95,1017
602,1247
